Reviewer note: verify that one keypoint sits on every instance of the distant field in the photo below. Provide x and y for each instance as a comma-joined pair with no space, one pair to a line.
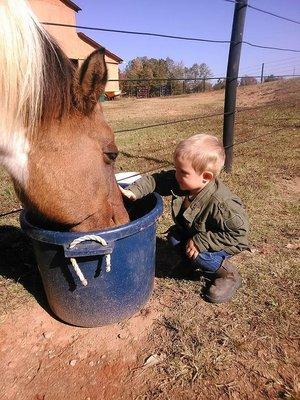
249,348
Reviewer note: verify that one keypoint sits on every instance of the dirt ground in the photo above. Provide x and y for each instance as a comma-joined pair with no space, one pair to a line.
178,346
43,358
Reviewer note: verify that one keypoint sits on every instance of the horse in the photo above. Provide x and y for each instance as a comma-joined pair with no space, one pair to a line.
54,140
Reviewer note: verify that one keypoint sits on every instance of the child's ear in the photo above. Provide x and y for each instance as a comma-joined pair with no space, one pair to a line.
208,176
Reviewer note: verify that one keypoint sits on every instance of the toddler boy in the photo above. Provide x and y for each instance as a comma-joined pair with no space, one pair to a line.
211,223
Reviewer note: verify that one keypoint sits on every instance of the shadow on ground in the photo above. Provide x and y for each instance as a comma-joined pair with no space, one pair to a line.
169,264
17,262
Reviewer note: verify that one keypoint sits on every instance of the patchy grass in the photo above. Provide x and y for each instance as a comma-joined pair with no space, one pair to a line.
248,348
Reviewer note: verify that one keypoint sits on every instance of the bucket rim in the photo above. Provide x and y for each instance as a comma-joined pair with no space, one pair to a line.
109,234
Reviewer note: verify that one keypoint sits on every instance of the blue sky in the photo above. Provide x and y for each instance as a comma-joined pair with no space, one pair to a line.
211,19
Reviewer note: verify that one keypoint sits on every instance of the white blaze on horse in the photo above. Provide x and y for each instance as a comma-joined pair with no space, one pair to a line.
54,140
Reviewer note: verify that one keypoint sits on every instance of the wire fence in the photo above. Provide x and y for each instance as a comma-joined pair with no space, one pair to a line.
188,84
167,165
161,35
265,12
195,79
184,79
167,87
161,87
192,118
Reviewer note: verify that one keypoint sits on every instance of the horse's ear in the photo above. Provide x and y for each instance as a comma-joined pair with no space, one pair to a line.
90,81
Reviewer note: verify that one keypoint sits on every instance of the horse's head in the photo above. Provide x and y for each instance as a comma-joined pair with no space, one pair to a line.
78,150
54,140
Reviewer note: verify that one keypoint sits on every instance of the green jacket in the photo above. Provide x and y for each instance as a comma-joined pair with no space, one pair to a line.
216,219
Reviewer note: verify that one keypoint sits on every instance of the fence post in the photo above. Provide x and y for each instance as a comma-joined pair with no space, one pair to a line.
262,73
231,79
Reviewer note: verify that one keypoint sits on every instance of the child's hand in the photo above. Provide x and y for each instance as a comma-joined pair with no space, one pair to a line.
191,249
127,193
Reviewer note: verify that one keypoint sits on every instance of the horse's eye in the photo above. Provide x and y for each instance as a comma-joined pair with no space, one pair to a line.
111,156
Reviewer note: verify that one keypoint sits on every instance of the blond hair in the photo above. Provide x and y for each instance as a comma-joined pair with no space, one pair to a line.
21,66
205,152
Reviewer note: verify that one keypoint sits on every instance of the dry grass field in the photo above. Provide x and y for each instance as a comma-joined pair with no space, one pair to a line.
179,346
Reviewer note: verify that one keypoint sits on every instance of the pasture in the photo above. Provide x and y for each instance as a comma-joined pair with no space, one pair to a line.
178,346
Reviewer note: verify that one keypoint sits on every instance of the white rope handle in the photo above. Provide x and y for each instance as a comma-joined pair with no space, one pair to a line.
81,239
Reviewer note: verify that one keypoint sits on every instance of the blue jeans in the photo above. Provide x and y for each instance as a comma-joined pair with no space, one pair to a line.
210,261
207,261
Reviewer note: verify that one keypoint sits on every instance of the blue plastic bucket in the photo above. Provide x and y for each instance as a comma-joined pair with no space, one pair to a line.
109,296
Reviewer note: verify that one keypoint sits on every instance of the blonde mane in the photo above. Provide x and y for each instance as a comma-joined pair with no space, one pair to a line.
21,67
35,75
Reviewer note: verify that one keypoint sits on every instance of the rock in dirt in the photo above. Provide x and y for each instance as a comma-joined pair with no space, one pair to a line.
82,354
153,360
48,335
73,362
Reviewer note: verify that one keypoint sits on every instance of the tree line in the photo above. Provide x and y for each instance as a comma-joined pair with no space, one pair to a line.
161,71
164,69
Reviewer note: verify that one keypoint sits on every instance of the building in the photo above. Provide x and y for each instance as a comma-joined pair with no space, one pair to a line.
76,45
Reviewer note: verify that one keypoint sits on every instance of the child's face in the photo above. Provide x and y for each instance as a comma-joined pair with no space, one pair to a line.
187,177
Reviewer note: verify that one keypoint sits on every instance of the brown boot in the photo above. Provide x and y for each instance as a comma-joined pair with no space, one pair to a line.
226,280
